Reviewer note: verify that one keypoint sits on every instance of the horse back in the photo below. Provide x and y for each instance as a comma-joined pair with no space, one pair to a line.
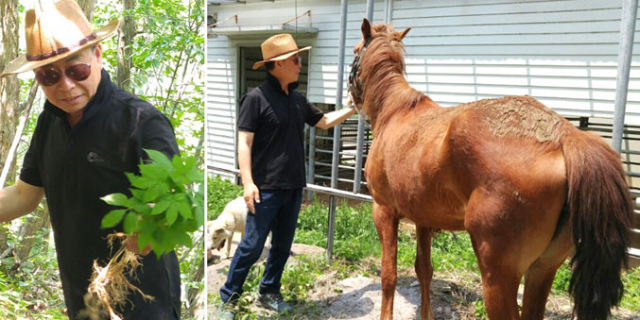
514,141
432,159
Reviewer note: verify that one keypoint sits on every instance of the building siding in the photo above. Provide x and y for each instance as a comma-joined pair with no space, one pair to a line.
563,52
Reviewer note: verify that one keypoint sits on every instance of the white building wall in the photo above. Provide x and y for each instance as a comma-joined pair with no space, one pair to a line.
221,95
563,52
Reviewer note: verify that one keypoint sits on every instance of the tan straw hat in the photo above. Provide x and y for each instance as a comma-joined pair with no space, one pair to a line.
56,32
278,47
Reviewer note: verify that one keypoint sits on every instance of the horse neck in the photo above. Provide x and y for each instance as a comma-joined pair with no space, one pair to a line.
388,95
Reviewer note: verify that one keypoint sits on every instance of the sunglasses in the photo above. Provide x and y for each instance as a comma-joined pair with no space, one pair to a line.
48,76
297,60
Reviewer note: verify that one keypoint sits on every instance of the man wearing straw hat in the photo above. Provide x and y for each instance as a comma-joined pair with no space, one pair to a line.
88,135
272,166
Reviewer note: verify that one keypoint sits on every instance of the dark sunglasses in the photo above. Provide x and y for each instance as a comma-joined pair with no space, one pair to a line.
48,76
297,60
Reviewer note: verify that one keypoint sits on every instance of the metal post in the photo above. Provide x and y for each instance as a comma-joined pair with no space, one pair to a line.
627,30
357,173
336,130
388,14
312,160
370,10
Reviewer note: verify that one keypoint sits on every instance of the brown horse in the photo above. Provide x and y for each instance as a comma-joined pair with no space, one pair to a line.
528,186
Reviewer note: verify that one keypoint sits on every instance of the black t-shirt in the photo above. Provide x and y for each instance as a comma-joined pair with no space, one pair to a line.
277,121
76,166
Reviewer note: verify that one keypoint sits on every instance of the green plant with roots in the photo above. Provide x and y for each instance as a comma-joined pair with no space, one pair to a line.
166,205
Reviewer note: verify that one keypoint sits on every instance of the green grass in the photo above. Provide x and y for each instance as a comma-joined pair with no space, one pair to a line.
298,279
631,298
357,249
219,193
32,289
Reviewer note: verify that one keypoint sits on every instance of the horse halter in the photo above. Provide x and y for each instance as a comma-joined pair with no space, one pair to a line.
353,87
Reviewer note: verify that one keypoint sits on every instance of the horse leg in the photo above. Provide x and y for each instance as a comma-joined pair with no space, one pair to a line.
424,271
495,244
387,225
499,285
539,276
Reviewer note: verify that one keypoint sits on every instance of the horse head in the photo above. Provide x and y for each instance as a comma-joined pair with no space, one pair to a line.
378,62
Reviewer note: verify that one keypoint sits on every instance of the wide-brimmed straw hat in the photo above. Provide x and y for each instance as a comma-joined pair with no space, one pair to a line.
278,47
55,32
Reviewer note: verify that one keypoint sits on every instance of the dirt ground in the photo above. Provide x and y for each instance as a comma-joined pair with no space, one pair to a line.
452,295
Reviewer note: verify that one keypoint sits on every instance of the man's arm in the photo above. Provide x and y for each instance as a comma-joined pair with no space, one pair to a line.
18,200
333,118
251,192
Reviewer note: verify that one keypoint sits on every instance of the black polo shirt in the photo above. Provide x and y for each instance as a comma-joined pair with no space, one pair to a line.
277,121
76,166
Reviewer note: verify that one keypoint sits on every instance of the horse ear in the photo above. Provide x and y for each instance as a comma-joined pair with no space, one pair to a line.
404,33
366,29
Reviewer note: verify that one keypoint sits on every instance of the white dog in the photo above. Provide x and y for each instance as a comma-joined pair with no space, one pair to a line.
233,218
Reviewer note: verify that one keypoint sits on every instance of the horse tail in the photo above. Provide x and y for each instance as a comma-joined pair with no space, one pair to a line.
601,210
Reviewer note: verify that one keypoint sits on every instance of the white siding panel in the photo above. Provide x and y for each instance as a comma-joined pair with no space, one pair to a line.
221,88
563,52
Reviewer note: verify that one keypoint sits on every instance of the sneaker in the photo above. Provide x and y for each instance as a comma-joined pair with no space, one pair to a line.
226,311
274,302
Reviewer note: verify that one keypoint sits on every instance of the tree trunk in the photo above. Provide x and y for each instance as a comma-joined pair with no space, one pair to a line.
29,230
9,86
87,7
125,38
194,295
9,90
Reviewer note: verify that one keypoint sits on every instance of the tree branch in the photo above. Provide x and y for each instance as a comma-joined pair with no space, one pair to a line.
18,135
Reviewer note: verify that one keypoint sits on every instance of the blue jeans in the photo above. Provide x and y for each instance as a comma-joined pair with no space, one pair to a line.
277,212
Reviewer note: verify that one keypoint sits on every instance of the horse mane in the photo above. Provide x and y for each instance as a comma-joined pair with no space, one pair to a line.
385,89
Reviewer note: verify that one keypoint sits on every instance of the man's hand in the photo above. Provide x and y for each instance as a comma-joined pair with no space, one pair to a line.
19,199
131,243
329,120
251,194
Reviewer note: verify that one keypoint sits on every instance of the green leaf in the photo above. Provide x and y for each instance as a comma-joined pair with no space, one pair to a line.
112,218
185,210
162,188
200,215
185,240
179,197
195,175
140,207
178,165
154,171
159,158
170,237
190,163
172,214
160,207
179,178
144,239
142,182
137,194
151,194
130,224
146,226
130,176
116,199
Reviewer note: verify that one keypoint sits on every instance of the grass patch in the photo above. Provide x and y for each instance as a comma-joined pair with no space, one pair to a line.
298,280
357,251
219,193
